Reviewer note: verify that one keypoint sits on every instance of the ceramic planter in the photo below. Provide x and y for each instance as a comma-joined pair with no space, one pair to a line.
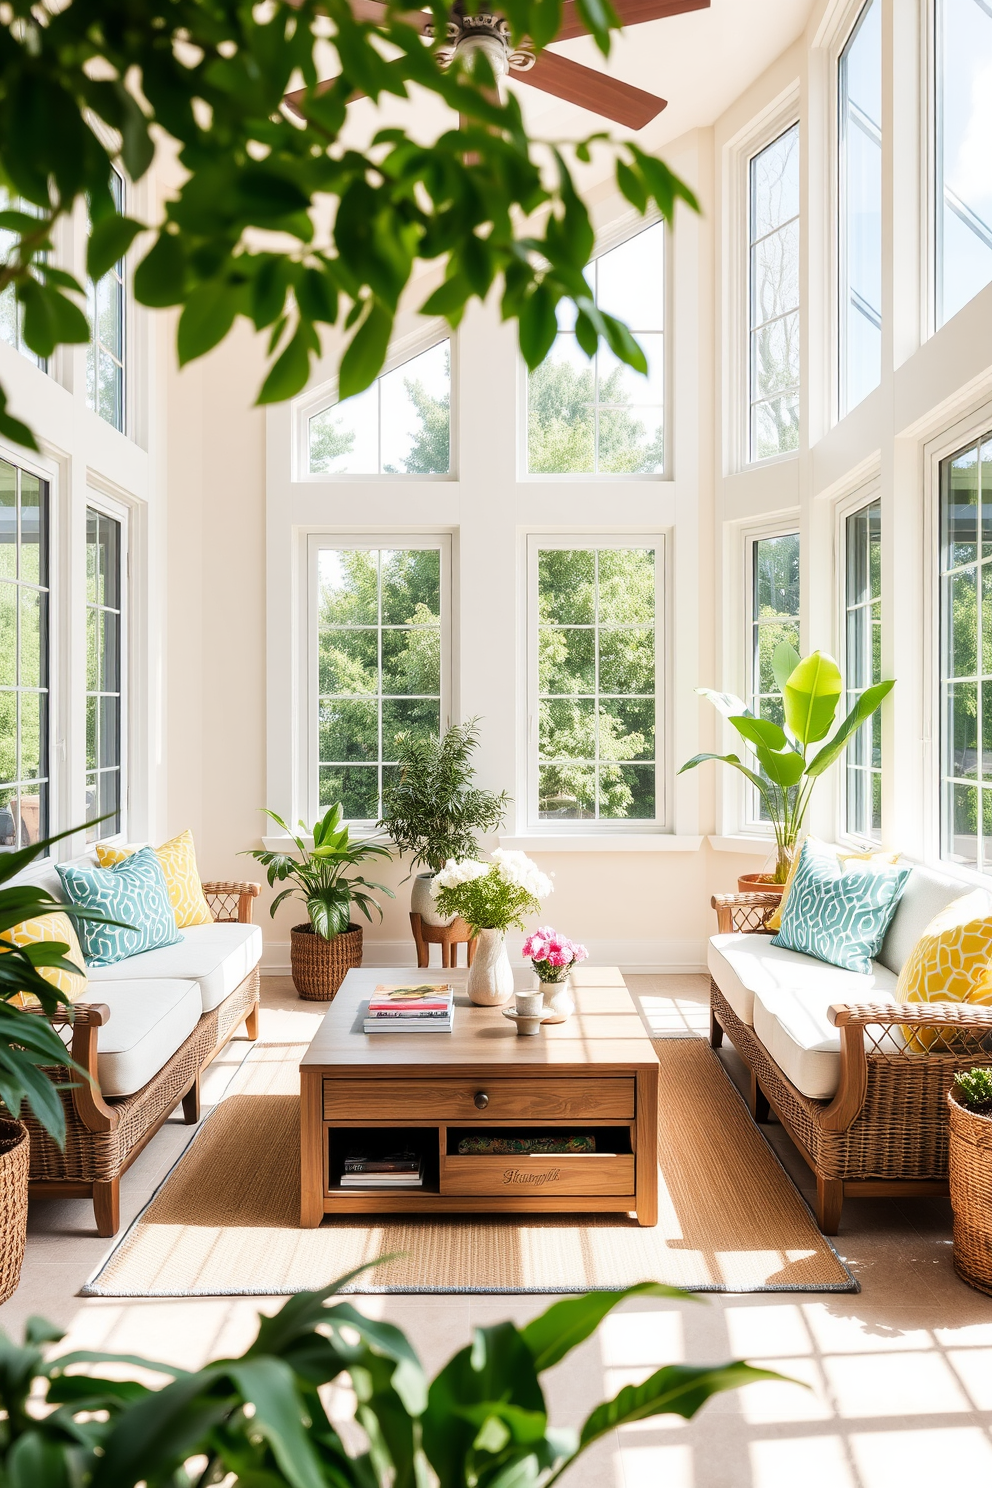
490,977
422,902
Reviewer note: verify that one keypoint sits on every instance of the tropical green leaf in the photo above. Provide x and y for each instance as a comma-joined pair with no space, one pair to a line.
565,1324
810,697
785,659
109,241
780,762
726,703
268,1385
865,706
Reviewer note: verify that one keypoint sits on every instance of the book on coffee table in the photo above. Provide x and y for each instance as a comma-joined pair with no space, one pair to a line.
410,1008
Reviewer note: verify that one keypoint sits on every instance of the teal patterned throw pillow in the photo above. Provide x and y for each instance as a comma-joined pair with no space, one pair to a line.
839,917
133,891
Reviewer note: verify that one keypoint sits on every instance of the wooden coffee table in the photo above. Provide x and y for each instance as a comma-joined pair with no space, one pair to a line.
597,1073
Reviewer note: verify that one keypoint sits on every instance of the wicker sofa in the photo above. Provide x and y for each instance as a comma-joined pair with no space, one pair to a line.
149,1026
827,1051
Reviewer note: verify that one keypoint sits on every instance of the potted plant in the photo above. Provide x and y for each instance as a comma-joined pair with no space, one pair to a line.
328,945
490,897
969,1161
262,1418
811,688
433,811
28,1044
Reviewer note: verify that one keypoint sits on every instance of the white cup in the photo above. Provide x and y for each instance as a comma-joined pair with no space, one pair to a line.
530,1004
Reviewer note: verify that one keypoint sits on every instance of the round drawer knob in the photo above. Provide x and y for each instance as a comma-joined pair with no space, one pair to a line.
481,1099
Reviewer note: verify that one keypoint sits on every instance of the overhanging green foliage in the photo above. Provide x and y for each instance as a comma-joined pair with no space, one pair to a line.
279,221
259,1420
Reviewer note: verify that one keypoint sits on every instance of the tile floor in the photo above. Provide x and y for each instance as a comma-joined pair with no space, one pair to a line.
899,1377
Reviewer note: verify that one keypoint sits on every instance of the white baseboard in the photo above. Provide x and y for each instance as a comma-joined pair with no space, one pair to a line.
639,957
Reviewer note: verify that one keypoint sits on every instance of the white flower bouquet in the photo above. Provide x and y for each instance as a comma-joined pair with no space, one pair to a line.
491,896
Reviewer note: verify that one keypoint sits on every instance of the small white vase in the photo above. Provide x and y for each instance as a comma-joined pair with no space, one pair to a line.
422,902
559,1002
490,977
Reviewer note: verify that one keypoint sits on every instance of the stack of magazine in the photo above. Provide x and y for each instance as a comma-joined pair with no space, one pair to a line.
415,1008
383,1170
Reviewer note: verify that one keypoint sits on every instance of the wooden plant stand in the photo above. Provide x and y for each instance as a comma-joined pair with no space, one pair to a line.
596,1073
448,937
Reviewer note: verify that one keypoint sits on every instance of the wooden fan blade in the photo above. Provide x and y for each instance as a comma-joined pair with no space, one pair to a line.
631,12
293,100
595,91
376,12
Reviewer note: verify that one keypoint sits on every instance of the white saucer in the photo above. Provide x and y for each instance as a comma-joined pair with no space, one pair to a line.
522,1019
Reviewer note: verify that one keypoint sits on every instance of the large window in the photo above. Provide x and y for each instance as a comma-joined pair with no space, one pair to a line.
966,656
863,644
773,298
774,618
380,616
596,647
105,356
103,672
23,657
401,425
860,156
11,310
963,157
599,417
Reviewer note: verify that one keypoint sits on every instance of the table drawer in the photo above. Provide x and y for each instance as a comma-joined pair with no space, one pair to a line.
579,1174
586,1100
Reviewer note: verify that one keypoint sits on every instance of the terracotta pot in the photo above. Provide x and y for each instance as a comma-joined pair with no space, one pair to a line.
14,1154
759,883
320,966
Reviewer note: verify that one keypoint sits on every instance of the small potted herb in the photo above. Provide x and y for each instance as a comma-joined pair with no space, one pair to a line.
325,948
969,1103
434,812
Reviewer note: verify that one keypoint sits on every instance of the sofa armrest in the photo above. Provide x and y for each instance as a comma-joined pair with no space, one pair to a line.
231,899
743,912
84,1018
912,1014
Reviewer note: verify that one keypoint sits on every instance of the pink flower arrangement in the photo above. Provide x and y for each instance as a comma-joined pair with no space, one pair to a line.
552,954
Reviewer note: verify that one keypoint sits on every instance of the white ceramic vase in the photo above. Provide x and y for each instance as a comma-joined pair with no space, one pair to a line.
559,1003
422,902
490,977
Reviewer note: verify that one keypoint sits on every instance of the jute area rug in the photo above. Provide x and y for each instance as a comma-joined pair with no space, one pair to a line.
225,1220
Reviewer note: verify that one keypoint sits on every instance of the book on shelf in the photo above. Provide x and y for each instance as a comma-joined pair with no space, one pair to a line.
389,1162
382,1180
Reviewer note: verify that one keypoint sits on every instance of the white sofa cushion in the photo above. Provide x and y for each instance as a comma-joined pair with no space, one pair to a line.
795,1028
149,1019
746,966
925,895
217,957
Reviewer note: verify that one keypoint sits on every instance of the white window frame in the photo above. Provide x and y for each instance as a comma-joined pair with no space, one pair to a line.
403,350
751,401
535,826
751,823
316,542
118,512
629,226
935,178
839,189
96,347
867,494
780,114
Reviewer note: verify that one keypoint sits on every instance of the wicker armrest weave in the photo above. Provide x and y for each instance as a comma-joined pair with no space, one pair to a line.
231,899
744,901
914,1014
233,886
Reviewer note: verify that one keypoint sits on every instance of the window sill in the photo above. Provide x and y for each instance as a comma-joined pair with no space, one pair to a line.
604,842
745,842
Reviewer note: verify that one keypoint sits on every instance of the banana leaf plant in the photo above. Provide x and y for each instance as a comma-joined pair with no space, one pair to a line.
260,1419
792,759
318,874
28,1042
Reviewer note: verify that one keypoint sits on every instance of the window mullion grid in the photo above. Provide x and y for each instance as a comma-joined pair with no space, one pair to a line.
595,700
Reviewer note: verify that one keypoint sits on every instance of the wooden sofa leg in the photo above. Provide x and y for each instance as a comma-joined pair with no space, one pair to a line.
716,1031
829,1202
191,1103
107,1207
757,1104
251,1022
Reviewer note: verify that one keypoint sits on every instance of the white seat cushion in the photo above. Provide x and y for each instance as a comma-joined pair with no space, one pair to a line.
795,1028
149,1019
216,957
925,895
745,966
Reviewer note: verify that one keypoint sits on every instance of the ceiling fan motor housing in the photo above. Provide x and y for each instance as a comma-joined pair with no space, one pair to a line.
487,33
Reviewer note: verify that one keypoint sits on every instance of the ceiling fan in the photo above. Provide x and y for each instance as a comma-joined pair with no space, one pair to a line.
489,32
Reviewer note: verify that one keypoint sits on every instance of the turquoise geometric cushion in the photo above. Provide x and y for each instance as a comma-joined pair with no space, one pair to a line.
839,917
133,891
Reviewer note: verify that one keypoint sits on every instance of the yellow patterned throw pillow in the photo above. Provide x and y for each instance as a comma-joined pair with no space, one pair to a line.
859,861
949,963
51,927
178,860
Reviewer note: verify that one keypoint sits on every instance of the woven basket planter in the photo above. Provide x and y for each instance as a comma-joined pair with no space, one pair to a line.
319,965
14,1154
970,1173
